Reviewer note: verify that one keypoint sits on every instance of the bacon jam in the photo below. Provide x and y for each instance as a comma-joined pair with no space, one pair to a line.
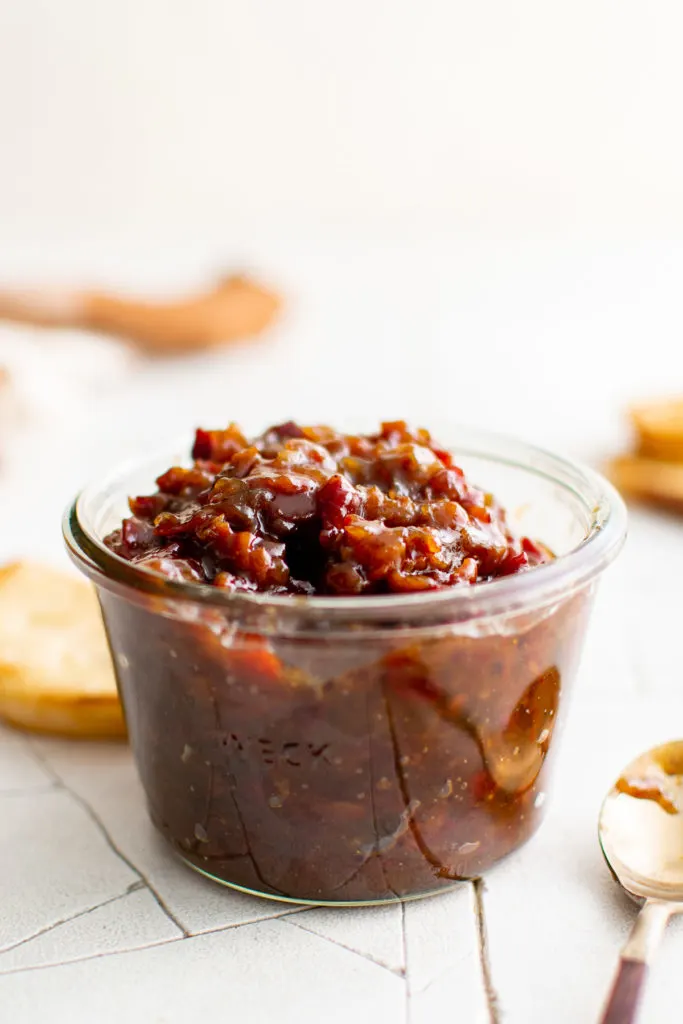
307,510
303,756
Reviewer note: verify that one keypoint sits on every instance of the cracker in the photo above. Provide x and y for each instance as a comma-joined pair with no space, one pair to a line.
56,673
659,429
649,480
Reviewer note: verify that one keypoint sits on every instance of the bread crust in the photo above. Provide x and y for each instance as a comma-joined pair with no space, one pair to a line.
56,673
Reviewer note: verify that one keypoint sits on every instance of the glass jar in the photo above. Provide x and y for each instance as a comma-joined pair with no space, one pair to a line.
354,750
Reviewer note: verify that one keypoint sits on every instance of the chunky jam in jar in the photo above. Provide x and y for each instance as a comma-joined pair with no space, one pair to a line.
307,510
319,756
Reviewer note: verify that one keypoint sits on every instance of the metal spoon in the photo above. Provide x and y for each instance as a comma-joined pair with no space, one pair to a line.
641,834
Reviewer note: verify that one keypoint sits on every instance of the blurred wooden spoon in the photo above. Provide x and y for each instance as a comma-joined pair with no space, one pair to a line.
235,307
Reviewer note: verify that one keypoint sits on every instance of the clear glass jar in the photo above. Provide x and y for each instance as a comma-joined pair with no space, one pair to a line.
354,750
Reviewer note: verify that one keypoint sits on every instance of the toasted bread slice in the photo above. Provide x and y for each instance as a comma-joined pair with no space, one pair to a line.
650,480
659,426
55,669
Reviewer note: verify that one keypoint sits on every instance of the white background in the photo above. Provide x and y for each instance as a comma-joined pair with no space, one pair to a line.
219,116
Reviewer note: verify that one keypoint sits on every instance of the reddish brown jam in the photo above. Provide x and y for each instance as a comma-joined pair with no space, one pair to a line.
647,789
311,753
307,510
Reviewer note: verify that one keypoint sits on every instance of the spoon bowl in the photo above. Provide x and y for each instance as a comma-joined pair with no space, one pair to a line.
641,834
641,825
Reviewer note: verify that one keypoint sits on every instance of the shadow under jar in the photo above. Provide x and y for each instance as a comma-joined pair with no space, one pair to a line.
355,750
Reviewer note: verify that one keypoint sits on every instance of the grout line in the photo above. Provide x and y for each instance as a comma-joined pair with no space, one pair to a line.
406,972
91,956
97,821
134,887
58,783
253,920
149,945
484,956
349,949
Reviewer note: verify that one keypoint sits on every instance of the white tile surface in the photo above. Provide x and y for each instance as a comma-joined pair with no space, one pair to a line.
19,772
54,862
104,776
254,973
663,1001
554,903
442,955
453,995
124,922
555,918
375,932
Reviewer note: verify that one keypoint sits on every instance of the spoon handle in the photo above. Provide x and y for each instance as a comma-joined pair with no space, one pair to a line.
628,987
629,983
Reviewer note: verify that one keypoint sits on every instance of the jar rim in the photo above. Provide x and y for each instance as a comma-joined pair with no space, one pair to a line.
539,586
